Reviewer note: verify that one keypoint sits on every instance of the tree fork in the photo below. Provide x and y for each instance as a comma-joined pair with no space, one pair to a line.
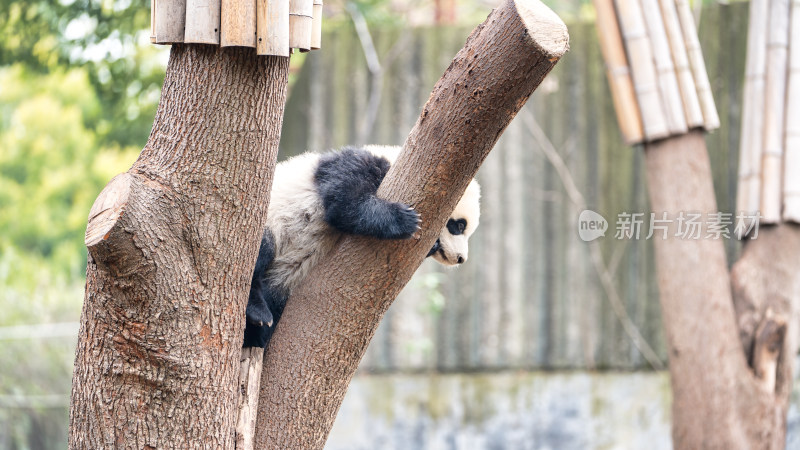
330,320
172,243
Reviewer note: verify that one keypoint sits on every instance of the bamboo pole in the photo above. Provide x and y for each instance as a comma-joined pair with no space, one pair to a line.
774,111
202,21
618,73
170,19
698,65
691,103
643,69
300,23
662,56
152,21
316,26
238,23
748,196
791,162
272,27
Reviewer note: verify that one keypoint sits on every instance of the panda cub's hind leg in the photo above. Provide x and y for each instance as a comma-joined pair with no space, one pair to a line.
347,182
258,312
260,318
274,300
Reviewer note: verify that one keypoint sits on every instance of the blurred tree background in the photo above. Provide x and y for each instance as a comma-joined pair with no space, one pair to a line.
79,86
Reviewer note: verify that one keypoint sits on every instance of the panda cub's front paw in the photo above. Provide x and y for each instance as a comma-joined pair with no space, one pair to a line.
405,222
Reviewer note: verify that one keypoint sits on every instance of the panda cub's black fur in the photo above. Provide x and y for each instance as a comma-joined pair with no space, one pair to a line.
347,182
317,197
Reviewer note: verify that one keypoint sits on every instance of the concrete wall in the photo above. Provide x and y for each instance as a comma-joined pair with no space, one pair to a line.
512,410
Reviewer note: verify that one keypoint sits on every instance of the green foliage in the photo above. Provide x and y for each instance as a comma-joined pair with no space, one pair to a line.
44,34
53,164
79,84
107,38
52,167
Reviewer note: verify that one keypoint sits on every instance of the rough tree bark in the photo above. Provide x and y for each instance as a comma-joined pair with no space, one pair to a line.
730,388
329,321
172,243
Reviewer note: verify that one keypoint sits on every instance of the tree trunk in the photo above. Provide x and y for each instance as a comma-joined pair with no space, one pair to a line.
329,321
718,400
172,243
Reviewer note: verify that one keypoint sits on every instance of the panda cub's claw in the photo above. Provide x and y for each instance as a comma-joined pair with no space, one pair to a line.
258,314
406,222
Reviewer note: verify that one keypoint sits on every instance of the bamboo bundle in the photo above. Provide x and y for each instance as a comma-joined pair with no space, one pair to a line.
691,103
667,81
643,69
791,162
272,27
170,18
698,65
202,21
748,194
774,111
238,23
301,15
316,26
618,72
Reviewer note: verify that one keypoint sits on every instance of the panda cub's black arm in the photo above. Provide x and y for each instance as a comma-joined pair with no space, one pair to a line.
347,182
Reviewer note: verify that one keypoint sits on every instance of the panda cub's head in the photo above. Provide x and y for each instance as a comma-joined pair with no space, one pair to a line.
452,248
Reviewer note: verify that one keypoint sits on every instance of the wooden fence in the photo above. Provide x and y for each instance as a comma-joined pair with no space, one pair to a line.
529,297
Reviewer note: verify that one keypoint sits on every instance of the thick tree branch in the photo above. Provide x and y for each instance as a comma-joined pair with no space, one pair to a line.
330,320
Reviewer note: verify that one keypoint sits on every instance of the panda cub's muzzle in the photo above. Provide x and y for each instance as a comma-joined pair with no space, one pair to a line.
442,257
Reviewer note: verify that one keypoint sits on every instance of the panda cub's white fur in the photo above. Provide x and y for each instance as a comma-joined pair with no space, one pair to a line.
296,218
315,199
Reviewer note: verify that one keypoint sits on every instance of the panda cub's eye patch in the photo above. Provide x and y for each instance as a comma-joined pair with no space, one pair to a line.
456,227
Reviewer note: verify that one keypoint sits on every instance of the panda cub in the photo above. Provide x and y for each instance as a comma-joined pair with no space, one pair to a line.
317,197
